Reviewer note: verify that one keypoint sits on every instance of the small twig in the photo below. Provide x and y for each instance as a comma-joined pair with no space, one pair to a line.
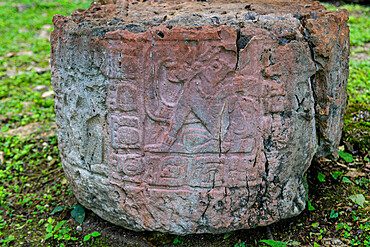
46,174
50,180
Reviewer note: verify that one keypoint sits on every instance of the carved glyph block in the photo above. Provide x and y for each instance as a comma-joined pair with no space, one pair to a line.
197,117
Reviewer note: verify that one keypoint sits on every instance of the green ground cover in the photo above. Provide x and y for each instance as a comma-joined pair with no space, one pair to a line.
36,202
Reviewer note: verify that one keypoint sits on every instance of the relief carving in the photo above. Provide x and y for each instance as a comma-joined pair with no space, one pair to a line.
199,122
191,106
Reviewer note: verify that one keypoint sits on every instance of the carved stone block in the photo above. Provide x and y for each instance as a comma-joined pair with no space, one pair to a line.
197,117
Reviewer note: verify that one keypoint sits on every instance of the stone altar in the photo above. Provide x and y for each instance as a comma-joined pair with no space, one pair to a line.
197,116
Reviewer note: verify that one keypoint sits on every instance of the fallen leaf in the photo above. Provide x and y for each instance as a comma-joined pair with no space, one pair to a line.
40,88
325,160
358,198
342,165
44,34
47,27
23,30
32,128
5,100
11,72
27,104
47,94
38,70
21,7
332,242
2,158
12,54
26,53
355,174
366,219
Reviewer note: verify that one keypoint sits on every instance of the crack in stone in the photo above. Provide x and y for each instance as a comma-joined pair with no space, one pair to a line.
262,197
300,102
266,168
126,7
237,49
246,179
270,57
241,42
209,196
220,130
311,80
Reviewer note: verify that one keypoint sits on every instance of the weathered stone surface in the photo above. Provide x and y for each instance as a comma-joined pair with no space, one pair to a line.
197,117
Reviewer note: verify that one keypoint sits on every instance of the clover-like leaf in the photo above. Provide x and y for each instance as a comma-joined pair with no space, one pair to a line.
95,234
336,174
310,207
49,235
333,214
78,213
57,210
346,156
321,177
273,243
87,237
49,228
346,180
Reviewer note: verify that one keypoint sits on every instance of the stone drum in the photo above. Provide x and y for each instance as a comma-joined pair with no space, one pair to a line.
197,116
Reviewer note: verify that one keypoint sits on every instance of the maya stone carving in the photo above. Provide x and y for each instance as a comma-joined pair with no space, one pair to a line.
197,121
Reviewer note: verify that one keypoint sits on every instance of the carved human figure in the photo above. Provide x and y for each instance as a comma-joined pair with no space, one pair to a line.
206,95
